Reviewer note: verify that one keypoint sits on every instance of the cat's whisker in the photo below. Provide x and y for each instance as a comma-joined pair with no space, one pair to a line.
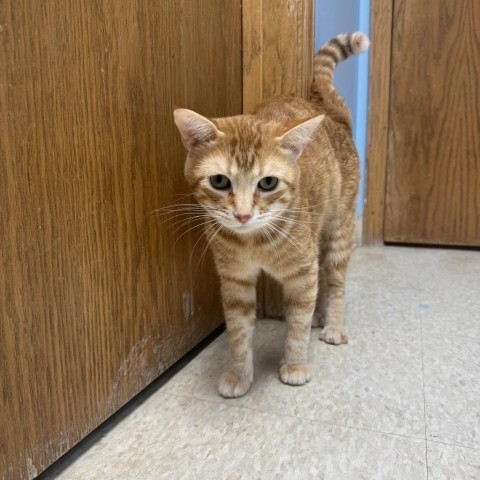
183,194
181,217
297,210
186,215
210,240
192,228
305,206
174,208
264,230
285,214
291,212
185,210
204,234
302,209
287,236
186,221
181,224
180,197
296,221
165,211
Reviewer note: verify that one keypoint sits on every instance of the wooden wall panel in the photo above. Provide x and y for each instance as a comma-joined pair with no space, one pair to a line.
433,181
277,60
278,49
95,302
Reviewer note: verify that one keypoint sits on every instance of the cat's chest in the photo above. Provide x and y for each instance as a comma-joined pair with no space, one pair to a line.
276,258
273,261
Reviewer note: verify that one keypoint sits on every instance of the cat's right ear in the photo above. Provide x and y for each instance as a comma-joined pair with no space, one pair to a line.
195,130
294,141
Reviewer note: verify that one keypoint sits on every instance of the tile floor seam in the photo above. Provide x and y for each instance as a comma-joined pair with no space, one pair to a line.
458,445
423,392
243,407
434,334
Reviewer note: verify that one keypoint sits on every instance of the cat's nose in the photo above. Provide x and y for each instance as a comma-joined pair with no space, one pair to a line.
244,218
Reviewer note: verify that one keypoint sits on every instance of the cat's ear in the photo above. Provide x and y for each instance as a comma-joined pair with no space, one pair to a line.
294,141
194,129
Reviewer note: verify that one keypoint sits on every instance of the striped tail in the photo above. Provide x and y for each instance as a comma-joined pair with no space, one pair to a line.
333,52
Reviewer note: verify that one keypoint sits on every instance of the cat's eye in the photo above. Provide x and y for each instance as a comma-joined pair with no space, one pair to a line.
220,182
268,183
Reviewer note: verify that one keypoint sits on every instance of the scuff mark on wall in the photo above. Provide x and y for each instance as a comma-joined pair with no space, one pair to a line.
188,304
170,346
134,371
31,469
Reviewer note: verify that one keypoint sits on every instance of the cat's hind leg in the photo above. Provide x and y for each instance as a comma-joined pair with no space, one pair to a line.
320,312
336,250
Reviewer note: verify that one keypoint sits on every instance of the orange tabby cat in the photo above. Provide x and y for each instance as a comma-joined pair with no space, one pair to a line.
279,188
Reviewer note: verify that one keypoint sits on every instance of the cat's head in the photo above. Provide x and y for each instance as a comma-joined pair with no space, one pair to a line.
243,171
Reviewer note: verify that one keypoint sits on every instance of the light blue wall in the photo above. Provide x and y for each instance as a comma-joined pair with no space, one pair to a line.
351,77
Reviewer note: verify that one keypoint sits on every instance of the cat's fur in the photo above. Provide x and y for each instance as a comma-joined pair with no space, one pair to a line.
301,233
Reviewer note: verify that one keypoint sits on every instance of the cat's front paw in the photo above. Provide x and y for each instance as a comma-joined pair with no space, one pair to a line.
334,335
298,374
233,384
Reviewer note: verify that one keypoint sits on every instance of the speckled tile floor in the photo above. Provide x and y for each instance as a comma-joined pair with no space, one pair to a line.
400,401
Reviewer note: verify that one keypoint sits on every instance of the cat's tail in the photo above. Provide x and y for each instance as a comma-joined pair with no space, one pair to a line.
330,55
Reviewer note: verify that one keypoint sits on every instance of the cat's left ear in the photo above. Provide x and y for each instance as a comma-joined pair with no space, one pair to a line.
195,130
297,138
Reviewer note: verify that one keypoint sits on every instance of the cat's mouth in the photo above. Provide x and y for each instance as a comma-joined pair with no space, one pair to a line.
242,228
234,225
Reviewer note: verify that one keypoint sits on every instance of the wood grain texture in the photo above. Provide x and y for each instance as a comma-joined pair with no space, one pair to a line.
277,59
305,47
379,98
286,54
433,181
252,39
95,301
277,49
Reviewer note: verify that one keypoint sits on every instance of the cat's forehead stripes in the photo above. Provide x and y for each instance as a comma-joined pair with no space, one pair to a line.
244,142
273,166
214,164
246,153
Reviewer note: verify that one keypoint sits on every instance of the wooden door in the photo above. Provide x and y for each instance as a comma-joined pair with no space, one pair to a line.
433,157
95,300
